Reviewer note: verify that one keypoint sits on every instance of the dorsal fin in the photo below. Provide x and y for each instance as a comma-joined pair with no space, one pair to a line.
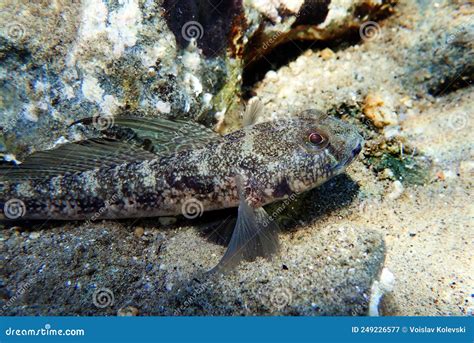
253,110
73,158
158,135
125,139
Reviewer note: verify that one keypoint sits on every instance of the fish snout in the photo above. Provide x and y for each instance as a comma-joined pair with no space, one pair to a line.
357,150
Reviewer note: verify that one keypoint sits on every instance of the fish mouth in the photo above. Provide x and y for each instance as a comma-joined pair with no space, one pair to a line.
353,154
356,150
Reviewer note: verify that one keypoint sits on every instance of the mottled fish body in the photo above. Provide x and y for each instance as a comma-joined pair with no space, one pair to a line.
257,165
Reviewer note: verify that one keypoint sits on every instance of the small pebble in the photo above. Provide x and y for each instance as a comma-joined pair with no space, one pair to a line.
327,54
151,72
34,235
396,190
387,173
271,75
374,109
139,231
128,311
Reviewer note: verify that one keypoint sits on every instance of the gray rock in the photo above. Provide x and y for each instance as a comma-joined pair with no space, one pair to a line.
65,61
62,62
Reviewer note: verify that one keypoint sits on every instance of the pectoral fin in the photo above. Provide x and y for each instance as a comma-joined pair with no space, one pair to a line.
255,234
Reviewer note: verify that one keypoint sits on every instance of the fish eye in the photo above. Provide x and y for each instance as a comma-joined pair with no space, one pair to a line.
317,139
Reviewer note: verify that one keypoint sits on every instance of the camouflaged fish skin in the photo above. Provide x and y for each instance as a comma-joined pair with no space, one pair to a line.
273,160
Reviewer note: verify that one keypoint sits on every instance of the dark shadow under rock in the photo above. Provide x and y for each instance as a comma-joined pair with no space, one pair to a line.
208,21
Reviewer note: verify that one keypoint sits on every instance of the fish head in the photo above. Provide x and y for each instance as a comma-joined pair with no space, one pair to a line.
309,148
323,147
322,134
